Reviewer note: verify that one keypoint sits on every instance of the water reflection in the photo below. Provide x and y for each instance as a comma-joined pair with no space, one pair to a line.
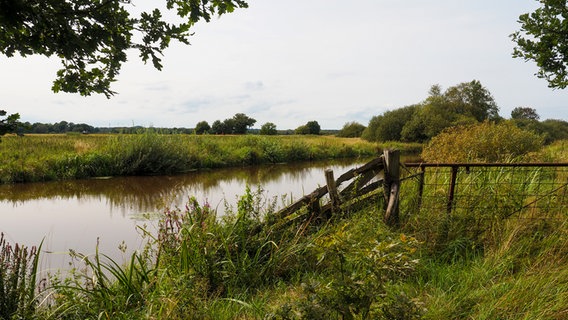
151,193
74,214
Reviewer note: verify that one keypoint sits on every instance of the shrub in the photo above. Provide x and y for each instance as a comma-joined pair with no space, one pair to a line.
351,130
483,142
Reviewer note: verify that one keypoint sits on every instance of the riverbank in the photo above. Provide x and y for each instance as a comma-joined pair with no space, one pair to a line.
62,157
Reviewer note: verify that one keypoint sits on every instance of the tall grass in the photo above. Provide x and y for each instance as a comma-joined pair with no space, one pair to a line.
18,285
502,251
57,157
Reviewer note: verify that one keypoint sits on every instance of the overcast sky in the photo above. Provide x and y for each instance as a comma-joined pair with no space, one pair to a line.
293,61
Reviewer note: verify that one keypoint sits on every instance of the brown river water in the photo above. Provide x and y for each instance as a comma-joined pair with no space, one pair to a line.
77,214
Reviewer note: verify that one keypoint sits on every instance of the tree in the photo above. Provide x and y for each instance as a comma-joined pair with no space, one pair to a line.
91,37
389,125
217,127
524,113
555,130
202,127
543,38
471,99
462,104
9,124
61,127
351,130
313,127
241,122
268,128
303,129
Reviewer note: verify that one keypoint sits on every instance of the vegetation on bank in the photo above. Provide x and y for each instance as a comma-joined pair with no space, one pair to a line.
249,265
483,142
464,104
57,157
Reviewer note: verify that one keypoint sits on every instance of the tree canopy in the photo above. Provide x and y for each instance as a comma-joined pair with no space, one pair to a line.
351,130
91,37
10,123
238,124
311,127
462,104
524,113
202,127
543,38
268,128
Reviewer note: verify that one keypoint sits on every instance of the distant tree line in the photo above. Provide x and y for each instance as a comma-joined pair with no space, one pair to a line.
467,103
238,124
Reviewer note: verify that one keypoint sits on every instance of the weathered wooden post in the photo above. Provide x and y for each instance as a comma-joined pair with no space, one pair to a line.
332,190
391,186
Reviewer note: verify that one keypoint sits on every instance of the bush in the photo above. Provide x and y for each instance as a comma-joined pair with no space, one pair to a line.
351,130
484,142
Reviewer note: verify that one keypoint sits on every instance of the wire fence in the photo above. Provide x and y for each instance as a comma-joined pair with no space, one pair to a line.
527,191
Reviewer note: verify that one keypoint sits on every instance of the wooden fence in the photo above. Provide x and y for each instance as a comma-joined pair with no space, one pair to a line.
385,171
382,171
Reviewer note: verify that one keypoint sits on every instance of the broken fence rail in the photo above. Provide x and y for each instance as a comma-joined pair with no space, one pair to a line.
360,186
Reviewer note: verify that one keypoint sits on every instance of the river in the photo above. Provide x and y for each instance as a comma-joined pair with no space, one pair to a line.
79,214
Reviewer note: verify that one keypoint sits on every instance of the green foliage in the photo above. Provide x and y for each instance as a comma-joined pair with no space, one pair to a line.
471,99
359,266
238,124
311,127
92,37
18,270
10,123
555,129
57,157
102,288
351,130
543,38
524,113
484,142
463,104
202,127
268,128
551,129
148,153
389,125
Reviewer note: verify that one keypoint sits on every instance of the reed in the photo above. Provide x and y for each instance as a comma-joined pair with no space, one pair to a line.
18,280
60,157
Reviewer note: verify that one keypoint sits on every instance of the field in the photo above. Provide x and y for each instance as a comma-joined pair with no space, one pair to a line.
248,265
59,157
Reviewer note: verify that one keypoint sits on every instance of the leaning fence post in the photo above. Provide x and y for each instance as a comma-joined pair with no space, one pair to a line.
392,186
332,189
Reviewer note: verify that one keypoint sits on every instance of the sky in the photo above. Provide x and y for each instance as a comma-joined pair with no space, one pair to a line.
293,61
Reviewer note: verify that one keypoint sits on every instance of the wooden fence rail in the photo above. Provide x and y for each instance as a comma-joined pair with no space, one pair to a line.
360,185
384,171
